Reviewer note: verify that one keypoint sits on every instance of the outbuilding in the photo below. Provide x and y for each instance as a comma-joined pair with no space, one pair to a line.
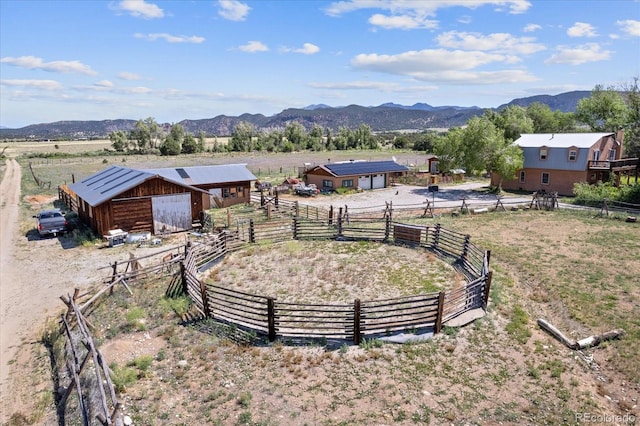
355,174
157,200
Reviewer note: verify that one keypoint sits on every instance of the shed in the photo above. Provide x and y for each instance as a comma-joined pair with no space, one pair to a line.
155,200
355,174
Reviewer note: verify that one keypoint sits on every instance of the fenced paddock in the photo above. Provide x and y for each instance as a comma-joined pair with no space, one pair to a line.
266,316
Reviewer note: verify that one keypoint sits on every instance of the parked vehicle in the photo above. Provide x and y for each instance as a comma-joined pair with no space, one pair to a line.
306,190
51,222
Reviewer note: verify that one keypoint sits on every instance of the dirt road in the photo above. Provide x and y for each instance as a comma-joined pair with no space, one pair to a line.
10,334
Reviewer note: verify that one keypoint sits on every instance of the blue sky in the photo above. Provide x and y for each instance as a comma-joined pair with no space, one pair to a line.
175,60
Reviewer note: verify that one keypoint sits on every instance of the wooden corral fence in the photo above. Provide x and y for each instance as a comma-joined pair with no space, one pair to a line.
68,197
87,367
267,316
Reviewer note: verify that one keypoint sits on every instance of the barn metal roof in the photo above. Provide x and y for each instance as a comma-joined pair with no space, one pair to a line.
199,175
114,180
104,185
364,168
560,140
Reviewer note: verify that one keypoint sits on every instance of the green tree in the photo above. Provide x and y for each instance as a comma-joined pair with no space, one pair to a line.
449,149
202,141
119,140
315,139
514,121
172,144
365,138
603,111
242,137
296,135
632,125
189,144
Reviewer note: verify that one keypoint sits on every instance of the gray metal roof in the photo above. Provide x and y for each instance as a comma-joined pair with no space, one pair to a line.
199,175
104,185
114,180
364,168
560,140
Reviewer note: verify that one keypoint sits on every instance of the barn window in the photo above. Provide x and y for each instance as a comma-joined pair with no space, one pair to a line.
612,154
347,183
522,176
225,193
326,183
573,155
545,178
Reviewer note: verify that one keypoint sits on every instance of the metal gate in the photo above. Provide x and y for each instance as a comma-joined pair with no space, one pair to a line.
171,213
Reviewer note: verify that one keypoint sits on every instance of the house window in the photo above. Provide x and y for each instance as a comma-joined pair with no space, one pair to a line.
347,183
545,178
612,154
326,183
522,176
573,155
596,155
226,193
543,153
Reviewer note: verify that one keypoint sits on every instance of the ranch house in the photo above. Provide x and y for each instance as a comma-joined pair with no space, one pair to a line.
555,162
355,174
157,200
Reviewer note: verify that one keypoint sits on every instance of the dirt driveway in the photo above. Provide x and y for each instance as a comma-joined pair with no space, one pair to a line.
34,273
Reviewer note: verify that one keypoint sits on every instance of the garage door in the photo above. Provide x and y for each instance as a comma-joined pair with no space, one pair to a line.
364,182
378,181
171,213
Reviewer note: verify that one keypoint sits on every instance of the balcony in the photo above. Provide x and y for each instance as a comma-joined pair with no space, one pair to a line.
615,165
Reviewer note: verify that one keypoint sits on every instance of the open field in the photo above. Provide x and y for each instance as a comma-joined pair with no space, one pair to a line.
578,271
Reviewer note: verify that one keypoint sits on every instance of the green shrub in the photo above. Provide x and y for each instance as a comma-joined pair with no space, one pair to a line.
122,377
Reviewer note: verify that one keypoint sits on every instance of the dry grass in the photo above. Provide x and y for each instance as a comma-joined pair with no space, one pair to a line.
501,369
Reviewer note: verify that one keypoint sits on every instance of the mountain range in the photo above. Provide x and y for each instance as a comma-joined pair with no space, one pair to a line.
385,117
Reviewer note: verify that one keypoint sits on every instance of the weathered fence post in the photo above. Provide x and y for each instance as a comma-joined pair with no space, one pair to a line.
436,237
331,215
252,232
387,228
205,300
487,289
228,218
295,228
276,201
183,277
271,318
113,276
356,321
262,198
440,312
340,222
465,247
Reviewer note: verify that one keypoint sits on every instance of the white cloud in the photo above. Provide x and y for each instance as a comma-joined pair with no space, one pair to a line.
500,42
34,63
306,49
254,46
590,52
417,14
442,65
529,28
402,22
170,38
35,84
139,9
104,84
233,10
581,29
630,27
129,76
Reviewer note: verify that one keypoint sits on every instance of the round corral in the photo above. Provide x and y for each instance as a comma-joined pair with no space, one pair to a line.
335,271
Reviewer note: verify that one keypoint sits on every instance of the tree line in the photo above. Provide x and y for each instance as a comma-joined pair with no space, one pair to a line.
484,144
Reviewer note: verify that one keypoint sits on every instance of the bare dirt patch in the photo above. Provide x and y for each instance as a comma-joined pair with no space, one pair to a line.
327,272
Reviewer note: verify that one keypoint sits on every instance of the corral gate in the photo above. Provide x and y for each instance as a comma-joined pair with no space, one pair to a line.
171,213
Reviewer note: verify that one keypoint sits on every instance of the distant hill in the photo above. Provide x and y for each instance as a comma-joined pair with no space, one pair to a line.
385,117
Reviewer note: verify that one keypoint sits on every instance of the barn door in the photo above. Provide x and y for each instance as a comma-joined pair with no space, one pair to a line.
171,213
